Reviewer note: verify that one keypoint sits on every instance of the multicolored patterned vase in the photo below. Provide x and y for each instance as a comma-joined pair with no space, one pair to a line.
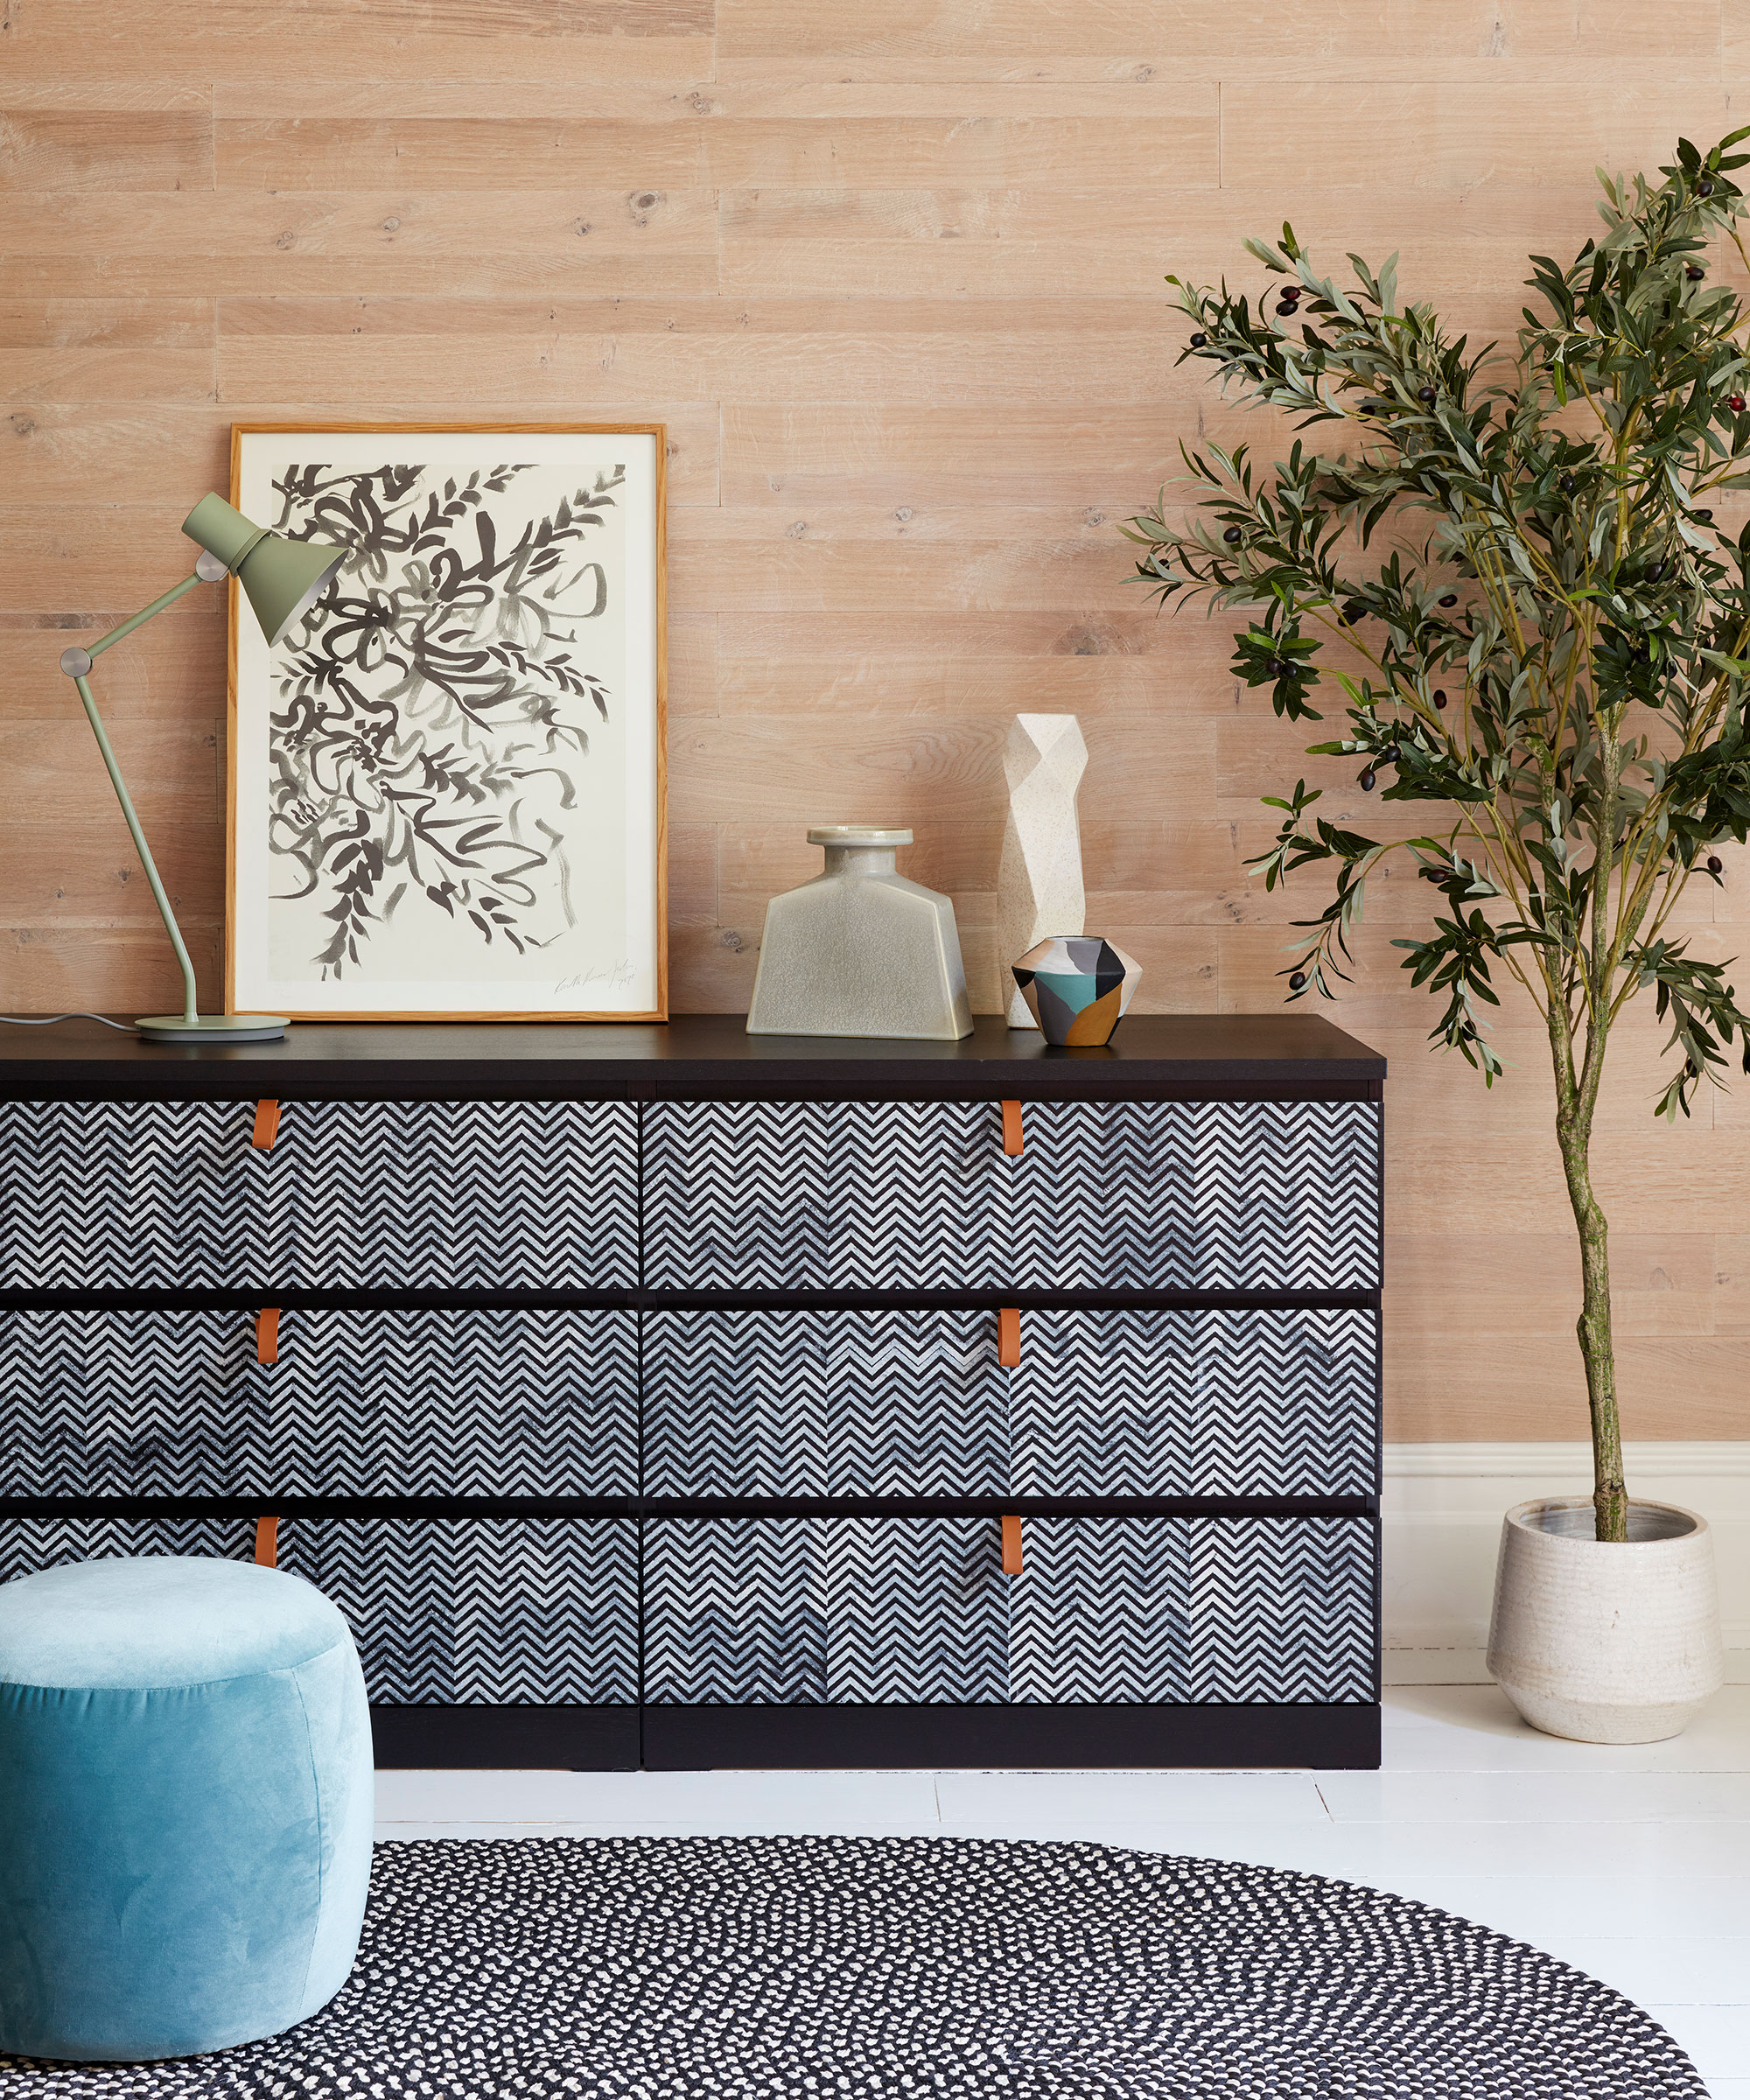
1077,988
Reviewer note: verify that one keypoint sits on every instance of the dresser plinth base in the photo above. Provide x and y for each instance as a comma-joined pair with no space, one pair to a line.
505,1739
696,1739
998,1738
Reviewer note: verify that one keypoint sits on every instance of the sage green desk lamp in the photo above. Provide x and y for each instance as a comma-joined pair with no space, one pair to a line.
282,580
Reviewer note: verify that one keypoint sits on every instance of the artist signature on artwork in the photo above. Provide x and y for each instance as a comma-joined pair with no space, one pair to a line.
604,973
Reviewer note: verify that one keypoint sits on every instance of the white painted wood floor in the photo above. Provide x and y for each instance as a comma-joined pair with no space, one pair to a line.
1630,1864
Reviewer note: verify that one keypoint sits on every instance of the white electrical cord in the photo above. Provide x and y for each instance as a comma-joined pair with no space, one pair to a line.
46,1020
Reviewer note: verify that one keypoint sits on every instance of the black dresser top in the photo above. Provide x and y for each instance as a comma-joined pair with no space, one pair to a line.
702,1057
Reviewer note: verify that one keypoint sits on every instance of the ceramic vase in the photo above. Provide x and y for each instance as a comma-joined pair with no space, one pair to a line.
1077,989
1605,1643
1039,879
860,950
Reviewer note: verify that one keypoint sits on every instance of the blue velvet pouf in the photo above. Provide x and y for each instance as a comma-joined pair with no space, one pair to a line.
185,1807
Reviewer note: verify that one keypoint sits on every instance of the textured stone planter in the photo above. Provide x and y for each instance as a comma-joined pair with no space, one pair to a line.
1605,1643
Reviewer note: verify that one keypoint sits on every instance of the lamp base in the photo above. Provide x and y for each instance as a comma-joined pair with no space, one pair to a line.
212,1028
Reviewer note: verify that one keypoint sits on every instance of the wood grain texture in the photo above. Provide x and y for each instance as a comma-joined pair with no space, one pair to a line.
891,273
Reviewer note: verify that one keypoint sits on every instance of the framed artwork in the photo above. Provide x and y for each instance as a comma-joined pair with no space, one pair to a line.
446,795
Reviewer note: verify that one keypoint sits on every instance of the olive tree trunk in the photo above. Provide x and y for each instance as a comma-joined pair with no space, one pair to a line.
1575,1097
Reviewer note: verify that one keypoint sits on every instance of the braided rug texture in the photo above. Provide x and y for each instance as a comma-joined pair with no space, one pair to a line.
913,1969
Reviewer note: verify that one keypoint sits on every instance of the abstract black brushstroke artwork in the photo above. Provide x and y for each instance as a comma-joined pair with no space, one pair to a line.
445,779
425,697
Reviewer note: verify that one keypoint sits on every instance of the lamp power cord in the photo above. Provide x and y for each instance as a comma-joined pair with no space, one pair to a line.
47,1020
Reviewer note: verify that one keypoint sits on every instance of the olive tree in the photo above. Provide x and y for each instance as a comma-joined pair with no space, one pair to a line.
1508,565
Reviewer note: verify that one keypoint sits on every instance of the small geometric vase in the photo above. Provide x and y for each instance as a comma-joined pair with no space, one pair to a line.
1077,987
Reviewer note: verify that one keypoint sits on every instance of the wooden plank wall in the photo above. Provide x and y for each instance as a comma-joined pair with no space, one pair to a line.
891,270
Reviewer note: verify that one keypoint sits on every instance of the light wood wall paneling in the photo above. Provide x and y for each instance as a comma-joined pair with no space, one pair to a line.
891,276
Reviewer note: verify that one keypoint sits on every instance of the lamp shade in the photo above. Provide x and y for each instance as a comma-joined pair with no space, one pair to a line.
281,578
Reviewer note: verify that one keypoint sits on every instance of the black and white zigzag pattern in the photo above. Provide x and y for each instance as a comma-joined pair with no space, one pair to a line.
795,1968
410,1403
1103,1402
1263,1609
413,1195
785,1610
1161,1196
735,1403
824,1403
535,1611
917,1610
1213,1402
30,1543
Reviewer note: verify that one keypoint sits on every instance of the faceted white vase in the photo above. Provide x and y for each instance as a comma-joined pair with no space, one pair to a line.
860,950
1039,881
1605,1643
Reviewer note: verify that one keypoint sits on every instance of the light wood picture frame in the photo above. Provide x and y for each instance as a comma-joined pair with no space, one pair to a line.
447,788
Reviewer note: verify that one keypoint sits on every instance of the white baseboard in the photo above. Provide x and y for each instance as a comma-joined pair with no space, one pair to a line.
1442,1508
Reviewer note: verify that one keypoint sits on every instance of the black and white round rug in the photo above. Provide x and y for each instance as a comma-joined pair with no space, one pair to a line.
914,1969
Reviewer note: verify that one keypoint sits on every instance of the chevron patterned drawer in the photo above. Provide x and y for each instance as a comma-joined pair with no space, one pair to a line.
917,1611
1200,1610
1103,1403
807,1611
481,1611
352,1195
454,1403
469,1612
1165,1195
1180,1402
841,1403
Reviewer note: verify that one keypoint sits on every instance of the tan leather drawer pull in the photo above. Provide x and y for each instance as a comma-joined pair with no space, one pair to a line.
1012,1128
267,1125
1008,1337
1011,1545
267,1334
267,1541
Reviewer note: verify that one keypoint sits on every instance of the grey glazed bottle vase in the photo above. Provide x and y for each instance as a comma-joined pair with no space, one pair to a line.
860,950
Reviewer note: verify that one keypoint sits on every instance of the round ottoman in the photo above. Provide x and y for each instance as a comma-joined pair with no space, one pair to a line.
185,1807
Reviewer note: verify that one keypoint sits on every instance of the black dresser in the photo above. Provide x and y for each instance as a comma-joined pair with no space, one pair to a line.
665,1396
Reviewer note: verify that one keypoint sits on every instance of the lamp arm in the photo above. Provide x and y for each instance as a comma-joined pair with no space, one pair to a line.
77,664
157,607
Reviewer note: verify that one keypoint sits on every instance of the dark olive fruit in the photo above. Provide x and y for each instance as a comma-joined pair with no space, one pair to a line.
1714,864
1704,187
1289,301
1233,536
1199,339
1468,1033
1389,756
1297,983
1427,393
1696,273
1451,598
1285,667
1353,611
1439,699
1655,572
1567,485
1368,779
1703,517
1735,402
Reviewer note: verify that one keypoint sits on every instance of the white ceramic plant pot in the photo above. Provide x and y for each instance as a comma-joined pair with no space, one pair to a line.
1605,1643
